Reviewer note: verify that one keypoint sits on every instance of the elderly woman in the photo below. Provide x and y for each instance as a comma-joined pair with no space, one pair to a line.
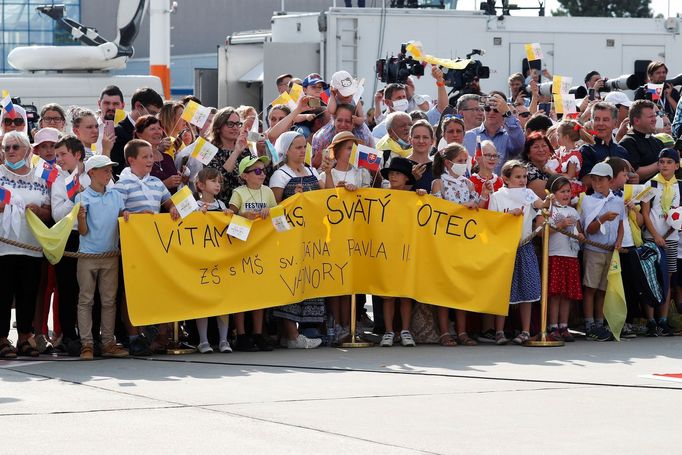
536,153
52,115
85,127
17,122
291,178
149,128
20,267
228,133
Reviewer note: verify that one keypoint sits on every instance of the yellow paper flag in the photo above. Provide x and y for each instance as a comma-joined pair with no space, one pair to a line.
171,150
533,51
296,92
615,308
119,116
184,202
309,154
353,154
415,48
285,99
196,114
53,240
561,84
564,103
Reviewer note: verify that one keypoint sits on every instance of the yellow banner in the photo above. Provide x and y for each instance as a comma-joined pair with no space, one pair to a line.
373,241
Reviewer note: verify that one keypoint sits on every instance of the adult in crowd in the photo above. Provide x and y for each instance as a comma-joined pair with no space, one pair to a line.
145,101
522,114
229,135
20,275
622,103
341,121
397,141
594,80
604,117
172,124
422,138
110,99
677,122
472,111
85,127
657,72
538,123
451,130
642,147
499,126
149,129
517,88
16,122
52,115
291,178
537,151
394,97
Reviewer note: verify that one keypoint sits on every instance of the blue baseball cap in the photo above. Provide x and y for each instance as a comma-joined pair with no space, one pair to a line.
314,78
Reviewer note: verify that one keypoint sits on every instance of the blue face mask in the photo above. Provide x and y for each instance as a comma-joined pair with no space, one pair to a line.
403,144
14,166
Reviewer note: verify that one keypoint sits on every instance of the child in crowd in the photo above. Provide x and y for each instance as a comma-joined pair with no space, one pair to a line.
343,88
98,229
208,184
451,184
252,200
313,86
142,193
564,268
399,176
570,160
666,190
602,221
516,199
484,171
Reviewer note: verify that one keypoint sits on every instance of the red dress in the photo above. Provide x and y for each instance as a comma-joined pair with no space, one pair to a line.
479,181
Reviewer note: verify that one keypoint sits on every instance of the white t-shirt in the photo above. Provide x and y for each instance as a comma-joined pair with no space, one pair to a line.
656,214
559,244
281,176
359,177
507,199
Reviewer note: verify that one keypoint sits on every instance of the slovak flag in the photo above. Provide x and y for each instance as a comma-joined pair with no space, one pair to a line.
46,172
363,156
479,150
72,184
5,196
7,104
324,96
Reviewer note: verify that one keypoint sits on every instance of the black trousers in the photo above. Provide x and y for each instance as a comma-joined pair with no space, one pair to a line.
19,280
67,286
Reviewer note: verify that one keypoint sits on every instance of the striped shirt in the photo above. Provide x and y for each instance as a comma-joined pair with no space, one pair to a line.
139,195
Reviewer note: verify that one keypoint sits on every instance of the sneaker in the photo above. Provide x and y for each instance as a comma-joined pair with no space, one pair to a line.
599,333
140,347
664,329
341,334
406,339
303,342
365,322
651,329
43,345
224,347
245,344
487,337
521,338
555,335
87,352
387,340
261,342
114,350
566,335
205,348
500,339
627,332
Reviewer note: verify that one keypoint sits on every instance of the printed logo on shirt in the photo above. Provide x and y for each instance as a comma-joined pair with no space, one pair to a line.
254,206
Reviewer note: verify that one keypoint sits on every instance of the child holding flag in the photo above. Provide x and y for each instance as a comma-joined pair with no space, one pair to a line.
516,199
602,219
98,229
485,171
569,158
666,191
344,173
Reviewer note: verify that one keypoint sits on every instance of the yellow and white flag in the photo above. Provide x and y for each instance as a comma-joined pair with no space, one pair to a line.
309,154
53,239
561,84
184,202
296,93
196,114
119,116
615,308
279,219
240,227
203,151
534,51
564,103
285,99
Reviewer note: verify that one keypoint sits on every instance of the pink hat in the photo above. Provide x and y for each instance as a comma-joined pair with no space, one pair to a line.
46,135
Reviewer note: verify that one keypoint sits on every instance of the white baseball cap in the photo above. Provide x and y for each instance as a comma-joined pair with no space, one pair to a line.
421,99
46,135
97,162
344,83
618,98
602,170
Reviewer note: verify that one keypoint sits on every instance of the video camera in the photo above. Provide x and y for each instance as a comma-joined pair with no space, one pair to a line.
397,69
460,79
32,116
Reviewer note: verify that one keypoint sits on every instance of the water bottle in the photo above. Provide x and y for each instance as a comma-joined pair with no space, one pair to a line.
331,333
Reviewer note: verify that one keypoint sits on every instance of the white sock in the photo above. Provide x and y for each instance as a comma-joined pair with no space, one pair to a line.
222,327
202,328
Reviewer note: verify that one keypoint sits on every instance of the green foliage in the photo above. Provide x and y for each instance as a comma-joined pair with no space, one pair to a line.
604,8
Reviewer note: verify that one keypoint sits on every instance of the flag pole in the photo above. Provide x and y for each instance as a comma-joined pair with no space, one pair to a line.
176,347
541,340
354,342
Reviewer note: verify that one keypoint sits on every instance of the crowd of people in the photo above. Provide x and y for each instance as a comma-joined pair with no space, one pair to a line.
497,151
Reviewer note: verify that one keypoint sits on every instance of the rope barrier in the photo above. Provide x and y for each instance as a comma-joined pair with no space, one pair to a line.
68,254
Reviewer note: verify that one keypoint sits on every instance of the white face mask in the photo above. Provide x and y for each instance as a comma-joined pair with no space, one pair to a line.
400,105
460,168
659,123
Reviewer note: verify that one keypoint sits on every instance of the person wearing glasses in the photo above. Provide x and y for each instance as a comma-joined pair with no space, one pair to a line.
470,108
229,135
16,123
20,277
499,126
52,115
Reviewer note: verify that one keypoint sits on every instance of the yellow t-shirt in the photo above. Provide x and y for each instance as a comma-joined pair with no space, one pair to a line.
248,200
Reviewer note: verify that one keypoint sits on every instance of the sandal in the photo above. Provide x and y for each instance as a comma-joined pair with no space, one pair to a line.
447,340
7,351
25,349
464,339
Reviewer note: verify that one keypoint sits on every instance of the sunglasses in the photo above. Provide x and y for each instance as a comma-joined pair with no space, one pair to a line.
257,171
488,109
234,124
17,121
524,114
14,147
